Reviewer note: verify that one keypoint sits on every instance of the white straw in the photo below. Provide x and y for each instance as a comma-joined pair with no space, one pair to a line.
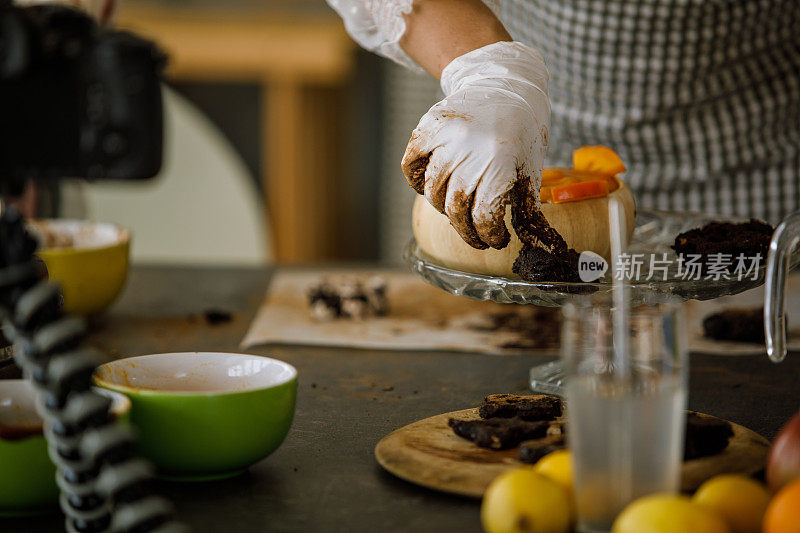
619,244
623,419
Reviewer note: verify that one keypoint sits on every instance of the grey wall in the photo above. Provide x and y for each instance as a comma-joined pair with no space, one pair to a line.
234,108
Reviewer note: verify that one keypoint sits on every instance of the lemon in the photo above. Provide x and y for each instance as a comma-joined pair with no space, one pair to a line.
668,513
741,501
522,501
558,467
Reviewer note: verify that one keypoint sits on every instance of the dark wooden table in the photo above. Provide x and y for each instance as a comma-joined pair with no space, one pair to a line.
324,477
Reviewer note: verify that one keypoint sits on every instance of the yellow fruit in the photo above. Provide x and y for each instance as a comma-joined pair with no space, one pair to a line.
558,467
522,501
668,513
739,500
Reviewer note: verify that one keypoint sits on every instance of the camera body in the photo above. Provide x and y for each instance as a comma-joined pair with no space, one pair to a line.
76,100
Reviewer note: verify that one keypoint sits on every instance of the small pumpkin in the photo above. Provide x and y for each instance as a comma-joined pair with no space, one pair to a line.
579,214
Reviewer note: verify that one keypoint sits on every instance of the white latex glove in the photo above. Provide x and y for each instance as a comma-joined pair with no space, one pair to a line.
489,132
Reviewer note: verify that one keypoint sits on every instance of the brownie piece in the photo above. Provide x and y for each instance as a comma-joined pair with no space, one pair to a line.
545,255
538,265
498,433
531,451
705,436
747,238
531,408
740,325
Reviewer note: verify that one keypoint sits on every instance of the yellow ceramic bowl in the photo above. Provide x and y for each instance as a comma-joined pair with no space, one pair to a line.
88,259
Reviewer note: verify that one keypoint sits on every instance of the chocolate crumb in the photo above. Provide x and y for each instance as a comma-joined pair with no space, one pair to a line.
215,317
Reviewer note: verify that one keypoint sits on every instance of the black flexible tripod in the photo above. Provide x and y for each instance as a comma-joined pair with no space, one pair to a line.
104,484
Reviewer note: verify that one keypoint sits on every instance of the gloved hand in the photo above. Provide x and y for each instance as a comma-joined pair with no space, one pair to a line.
489,132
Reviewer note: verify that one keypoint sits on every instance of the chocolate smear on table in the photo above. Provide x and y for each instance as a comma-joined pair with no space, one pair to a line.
747,239
545,255
736,324
523,327
530,407
498,433
705,436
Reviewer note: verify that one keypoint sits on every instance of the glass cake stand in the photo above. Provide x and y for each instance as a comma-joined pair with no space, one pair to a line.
653,235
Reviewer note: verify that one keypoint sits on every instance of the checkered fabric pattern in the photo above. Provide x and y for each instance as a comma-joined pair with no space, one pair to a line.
701,98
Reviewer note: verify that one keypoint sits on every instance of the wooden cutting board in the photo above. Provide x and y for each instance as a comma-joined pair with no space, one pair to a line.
428,453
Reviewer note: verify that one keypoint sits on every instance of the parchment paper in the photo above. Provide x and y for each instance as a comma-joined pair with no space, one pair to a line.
422,317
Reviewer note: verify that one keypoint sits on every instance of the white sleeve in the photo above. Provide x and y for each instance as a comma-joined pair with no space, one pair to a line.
378,25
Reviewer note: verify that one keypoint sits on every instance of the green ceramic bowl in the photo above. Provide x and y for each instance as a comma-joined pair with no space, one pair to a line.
27,476
205,416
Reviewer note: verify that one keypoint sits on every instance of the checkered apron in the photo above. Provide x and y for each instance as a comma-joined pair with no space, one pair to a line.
701,98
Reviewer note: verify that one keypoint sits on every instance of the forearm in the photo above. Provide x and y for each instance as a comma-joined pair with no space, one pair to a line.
489,135
438,31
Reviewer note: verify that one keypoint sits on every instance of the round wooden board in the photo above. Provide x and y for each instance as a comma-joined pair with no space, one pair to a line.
428,453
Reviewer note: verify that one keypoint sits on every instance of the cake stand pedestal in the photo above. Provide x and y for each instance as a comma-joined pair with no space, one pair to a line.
660,276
